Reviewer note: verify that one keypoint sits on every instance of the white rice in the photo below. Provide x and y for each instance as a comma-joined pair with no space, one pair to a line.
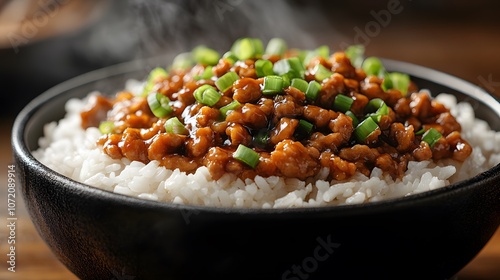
72,151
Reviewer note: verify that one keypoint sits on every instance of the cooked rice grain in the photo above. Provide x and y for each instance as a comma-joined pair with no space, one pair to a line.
72,151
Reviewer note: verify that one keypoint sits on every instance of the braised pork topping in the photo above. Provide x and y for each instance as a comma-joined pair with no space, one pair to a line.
291,114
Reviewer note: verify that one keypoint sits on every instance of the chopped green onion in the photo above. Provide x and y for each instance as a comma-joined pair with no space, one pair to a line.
373,105
282,66
376,108
355,54
243,48
431,136
207,94
174,126
395,80
230,56
305,127
420,132
312,90
291,66
159,104
299,84
309,55
263,68
233,105
351,115
183,61
322,51
321,73
387,83
207,73
276,46
287,79
342,103
106,127
382,111
301,54
153,77
364,129
246,155
400,82
205,55
258,46
226,81
246,48
261,139
373,66
273,85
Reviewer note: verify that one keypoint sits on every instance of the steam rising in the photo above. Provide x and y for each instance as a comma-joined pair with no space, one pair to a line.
147,28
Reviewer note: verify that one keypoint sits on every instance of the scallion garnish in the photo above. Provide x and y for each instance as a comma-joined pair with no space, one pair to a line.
400,82
372,66
183,61
312,90
431,136
364,129
301,54
276,46
305,127
387,82
355,54
261,139
246,155
153,77
226,81
205,55
321,73
106,127
420,132
233,105
246,48
159,104
291,66
207,94
342,103
382,111
321,51
373,105
174,126
230,56
299,84
263,67
207,73
351,115
287,79
272,85
376,108
258,46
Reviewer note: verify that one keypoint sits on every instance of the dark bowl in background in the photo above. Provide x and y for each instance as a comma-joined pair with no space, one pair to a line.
103,235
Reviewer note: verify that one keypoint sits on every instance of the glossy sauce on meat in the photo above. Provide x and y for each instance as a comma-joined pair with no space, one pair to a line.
269,124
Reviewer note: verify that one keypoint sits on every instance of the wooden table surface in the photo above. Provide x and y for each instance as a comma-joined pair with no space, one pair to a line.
443,46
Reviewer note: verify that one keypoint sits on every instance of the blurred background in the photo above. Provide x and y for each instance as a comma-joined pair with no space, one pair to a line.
45,42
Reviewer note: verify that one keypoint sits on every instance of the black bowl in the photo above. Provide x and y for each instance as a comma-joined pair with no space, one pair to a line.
103,235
